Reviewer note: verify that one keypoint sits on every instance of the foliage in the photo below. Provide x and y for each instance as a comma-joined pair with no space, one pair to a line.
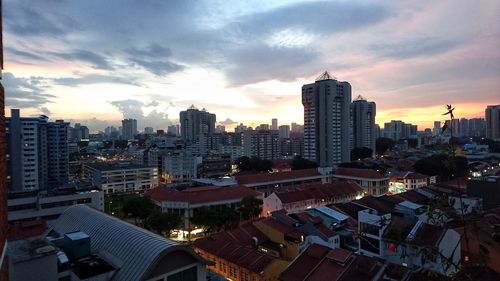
215,218
254,164
300,163
445,166
163,222
139,207
251,207
383,144
361,153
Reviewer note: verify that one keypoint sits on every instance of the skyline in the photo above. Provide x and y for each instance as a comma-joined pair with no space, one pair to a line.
89,62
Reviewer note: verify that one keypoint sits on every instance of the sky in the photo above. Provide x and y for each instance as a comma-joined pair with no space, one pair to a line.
97,62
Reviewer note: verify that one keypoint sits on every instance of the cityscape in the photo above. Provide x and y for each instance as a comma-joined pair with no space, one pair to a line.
214,158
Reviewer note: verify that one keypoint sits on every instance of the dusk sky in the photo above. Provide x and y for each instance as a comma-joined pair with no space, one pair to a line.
98,61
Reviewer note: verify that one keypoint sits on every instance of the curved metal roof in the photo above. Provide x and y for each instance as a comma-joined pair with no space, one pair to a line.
134,250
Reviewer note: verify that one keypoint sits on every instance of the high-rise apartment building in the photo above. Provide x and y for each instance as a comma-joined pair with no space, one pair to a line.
3,170
397,130
38,155
261,144
195,122
327,120
492,116
437,128
477,127
129,129
274,124
284,131
363,120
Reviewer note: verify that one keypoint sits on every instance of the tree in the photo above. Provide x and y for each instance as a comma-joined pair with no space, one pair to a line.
300,163
138,207
361,153
251,207
164,222
384,144
215,218
445,166
254,164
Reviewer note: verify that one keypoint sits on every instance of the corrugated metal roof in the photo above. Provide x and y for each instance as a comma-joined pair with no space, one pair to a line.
133,249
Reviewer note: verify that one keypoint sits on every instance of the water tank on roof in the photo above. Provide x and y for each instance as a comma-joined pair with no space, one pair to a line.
77,244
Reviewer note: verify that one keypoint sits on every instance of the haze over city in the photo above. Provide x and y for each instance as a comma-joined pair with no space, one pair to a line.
98,62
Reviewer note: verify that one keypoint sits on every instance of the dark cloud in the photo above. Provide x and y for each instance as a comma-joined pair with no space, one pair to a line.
95,79
34,18
152,51
414,47
96,60
25,92
24,54
253,64
316,17
153,58
158,68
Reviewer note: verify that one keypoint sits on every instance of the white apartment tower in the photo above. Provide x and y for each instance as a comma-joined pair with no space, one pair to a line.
37,155
327,120
363,120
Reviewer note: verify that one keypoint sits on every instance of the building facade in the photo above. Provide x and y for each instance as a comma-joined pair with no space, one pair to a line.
121,177
38,155
3,170
363,121
492,116
129,129
262,144
327,121
195,122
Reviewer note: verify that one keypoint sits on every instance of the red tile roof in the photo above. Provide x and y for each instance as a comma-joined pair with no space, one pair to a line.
377,203
200,195
237,247
359,173
286,230
319,263
280,176
318,191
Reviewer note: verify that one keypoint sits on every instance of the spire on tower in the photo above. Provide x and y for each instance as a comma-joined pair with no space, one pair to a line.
325,76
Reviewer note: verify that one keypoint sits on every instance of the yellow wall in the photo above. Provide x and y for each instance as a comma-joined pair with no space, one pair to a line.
290,251
272,272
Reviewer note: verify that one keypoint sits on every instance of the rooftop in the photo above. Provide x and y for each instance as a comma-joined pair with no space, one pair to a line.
200,195
319,263
359,173
30,249
135,251
280,176
104,166
319,191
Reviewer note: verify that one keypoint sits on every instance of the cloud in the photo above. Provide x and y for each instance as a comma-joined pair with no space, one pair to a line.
414,47
45,110
94,79
25,92
24,54
154,50
158,68
227,122
32,18
134,109
153,58
95,60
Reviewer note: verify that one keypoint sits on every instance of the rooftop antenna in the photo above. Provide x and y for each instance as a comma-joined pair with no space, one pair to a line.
325,76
